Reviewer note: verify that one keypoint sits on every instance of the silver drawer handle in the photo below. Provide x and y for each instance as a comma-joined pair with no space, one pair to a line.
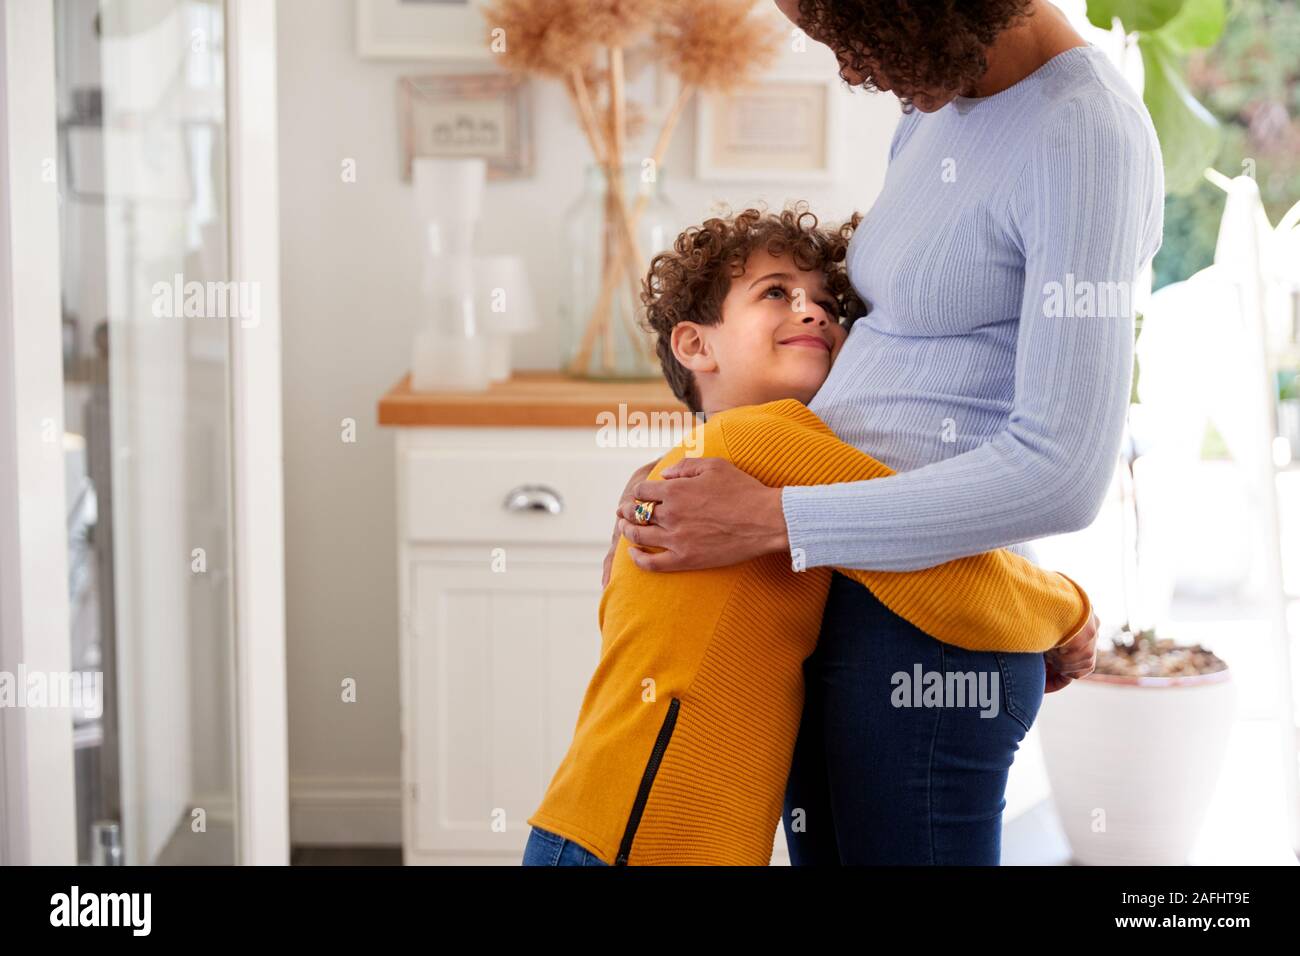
533,498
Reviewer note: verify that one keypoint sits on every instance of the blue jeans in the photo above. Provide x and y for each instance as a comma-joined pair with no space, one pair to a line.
545,848
905,743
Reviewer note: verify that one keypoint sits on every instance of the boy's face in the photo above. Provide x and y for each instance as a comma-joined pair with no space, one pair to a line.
779,334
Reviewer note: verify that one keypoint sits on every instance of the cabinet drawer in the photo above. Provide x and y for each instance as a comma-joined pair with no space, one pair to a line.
460,494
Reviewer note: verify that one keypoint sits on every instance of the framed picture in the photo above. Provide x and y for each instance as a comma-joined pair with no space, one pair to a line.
421,30
472,114
781,128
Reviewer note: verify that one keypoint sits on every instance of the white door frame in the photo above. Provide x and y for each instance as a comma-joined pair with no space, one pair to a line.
37,806
37,803
257,447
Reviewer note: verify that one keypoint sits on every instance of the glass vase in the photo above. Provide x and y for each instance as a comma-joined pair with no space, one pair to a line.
602,316
452,344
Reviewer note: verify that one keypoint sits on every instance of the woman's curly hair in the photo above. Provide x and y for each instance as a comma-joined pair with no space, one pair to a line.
689,282
917,45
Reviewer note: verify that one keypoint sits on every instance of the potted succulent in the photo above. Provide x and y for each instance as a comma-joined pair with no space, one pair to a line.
1133,751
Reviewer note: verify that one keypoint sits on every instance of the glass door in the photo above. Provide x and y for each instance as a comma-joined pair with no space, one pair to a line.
147,325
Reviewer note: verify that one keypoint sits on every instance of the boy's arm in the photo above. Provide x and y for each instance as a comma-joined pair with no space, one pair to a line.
993,601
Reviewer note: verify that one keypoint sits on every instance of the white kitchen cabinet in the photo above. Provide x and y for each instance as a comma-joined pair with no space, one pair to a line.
499,633
494,668
502,530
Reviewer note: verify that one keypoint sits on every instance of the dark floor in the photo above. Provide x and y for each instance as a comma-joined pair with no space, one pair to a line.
345,856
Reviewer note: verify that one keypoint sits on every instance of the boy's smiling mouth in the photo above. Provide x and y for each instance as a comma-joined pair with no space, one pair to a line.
807,341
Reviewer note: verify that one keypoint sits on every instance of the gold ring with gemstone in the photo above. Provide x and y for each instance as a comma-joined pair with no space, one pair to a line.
644,511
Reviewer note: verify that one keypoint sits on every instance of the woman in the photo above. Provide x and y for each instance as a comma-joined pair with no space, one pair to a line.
1023,197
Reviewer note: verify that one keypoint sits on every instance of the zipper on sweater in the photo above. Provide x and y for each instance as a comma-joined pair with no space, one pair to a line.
647,781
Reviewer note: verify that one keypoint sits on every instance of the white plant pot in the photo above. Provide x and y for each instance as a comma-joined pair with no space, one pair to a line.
1133,765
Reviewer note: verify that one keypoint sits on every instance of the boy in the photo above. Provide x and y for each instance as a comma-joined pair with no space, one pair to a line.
684,739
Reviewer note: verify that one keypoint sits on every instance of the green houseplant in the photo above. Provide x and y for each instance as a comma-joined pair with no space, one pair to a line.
1164,32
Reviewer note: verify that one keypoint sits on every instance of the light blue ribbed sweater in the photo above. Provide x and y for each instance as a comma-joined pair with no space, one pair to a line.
983,373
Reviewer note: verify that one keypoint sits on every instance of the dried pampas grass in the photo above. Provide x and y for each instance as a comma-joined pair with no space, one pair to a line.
719,45
618,23
710,45
541,36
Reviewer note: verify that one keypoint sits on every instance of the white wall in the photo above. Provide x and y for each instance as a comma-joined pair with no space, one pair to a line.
350,260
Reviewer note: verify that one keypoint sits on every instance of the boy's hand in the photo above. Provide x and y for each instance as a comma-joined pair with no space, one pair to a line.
1074,659
637,477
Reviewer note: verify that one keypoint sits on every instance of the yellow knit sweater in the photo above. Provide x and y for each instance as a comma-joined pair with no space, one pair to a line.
686,731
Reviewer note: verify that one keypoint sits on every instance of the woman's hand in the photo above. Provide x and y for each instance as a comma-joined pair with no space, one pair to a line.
708,514
638,476
1074,659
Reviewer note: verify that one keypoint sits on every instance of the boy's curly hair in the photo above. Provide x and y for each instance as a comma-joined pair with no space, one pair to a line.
690,281
918,45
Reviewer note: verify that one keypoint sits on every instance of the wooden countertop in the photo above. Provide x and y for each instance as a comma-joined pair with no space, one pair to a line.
528,399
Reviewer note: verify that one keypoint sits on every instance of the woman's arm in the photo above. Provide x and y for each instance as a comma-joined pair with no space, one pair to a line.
994,601
1086,210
